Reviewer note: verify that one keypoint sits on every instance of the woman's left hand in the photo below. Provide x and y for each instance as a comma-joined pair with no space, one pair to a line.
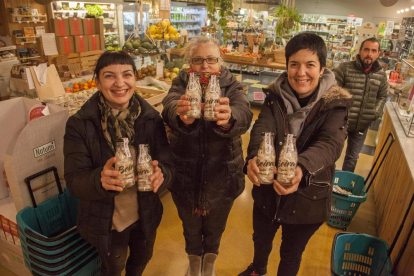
223,112
157,177
293,187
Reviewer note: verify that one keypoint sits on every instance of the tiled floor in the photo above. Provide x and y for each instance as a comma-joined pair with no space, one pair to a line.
236,251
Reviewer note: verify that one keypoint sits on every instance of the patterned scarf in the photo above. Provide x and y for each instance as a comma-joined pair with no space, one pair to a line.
118,124
204,78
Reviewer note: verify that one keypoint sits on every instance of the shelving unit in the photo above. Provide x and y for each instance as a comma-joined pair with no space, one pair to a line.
8,53
190,18
110,16
334,30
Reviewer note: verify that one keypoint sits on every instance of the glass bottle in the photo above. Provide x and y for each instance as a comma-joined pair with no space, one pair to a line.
288,160
144,168
193,92
266,157
124,163
212,96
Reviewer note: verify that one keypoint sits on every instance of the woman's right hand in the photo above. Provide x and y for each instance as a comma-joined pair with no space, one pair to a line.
253,171
183,105
109,177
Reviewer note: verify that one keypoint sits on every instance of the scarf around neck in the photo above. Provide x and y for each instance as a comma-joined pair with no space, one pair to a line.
118,124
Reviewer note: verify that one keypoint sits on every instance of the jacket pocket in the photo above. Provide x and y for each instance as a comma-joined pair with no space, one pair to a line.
312,204
235,176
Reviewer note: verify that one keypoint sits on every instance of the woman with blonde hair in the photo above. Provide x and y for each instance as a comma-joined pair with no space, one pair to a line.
208,155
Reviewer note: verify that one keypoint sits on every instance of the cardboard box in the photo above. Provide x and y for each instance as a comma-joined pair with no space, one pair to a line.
100,31
11,257
76,26
61,27
32,146
65,44
94,42
6,229
81,43
2,234
89,27
15,233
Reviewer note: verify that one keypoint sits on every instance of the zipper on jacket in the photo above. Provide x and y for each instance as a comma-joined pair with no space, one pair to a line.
362,103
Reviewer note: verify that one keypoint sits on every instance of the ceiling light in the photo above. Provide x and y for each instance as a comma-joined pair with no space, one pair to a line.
406,9
412,7
402,11
398,11
131,4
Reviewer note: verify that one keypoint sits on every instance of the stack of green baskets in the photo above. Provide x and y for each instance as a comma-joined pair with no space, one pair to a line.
50,242
344,206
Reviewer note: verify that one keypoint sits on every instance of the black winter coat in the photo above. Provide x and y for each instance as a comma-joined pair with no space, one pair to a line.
86,152
319,145
369,91
208,160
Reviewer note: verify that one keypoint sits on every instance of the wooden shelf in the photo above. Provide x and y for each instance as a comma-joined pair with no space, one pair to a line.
8,48
21,15
22,58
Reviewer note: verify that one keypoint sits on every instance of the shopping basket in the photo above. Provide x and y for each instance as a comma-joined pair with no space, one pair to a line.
365,255
50,241
344,206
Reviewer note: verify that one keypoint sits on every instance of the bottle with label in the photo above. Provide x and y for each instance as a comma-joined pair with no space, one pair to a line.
193,92
124,163
144,168
266,157
212,96
287,161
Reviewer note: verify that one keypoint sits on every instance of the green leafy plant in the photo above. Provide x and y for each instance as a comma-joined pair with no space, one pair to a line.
94,10
288,19
224,13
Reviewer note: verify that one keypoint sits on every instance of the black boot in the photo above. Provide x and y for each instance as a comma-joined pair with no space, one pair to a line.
253,271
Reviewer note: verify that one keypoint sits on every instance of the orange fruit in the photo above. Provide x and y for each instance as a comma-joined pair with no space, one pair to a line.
89,81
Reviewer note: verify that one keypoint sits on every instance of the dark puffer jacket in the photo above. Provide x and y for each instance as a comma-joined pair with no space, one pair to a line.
86,152
208,160
369,91
319,145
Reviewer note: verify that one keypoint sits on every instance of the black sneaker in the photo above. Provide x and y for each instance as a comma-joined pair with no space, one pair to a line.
252,271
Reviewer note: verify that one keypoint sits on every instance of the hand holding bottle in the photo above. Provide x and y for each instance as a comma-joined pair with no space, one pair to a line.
284,189
157,177
253,171
183,106
223,112
109,176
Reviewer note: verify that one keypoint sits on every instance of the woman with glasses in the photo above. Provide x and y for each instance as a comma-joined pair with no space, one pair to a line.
208,154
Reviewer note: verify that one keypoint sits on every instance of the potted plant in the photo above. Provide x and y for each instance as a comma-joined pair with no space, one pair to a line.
225,10
288,21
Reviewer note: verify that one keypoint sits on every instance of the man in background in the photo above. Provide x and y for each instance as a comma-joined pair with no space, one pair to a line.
367,82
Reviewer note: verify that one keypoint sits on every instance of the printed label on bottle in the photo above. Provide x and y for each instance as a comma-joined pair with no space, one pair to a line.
127,152
268,142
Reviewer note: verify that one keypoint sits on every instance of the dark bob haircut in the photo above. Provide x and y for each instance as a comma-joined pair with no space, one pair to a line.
113,57
306,41
371,39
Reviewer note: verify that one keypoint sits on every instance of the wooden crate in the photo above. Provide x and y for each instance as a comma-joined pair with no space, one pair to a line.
175,51
231,58
88,59
152,95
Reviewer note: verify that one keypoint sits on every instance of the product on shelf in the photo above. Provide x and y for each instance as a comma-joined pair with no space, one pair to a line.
163,31
138,46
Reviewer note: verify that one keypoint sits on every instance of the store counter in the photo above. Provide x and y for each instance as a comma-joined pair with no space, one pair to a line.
393,189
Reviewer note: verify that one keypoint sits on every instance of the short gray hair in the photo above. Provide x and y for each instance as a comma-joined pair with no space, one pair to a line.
194,43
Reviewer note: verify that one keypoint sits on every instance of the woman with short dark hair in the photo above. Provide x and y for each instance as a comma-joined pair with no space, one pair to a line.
110,217
306,102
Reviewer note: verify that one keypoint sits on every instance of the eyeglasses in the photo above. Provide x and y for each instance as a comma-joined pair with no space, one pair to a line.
209,60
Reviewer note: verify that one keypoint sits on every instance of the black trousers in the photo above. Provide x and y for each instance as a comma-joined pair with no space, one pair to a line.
203,233
294,240
140,252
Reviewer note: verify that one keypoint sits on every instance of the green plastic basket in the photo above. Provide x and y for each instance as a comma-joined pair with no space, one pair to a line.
359,254
343,206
